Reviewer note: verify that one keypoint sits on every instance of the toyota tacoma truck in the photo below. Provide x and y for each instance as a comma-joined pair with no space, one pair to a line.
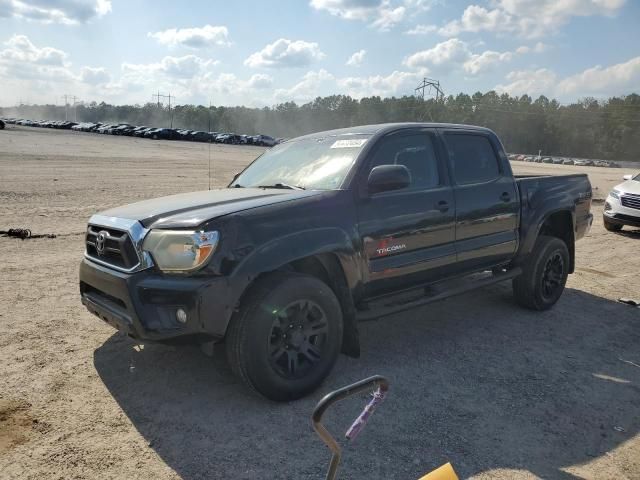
324,231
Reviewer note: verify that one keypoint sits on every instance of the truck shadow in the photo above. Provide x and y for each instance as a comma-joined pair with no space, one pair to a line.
475,380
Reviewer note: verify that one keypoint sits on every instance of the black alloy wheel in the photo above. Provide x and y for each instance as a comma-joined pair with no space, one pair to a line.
298,338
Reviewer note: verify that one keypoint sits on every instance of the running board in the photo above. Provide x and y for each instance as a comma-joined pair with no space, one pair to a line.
441,292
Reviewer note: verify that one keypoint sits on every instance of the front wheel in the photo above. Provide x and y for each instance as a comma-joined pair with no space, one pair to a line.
544,275
286,337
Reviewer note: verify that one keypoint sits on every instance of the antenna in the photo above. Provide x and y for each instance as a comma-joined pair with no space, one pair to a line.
210,139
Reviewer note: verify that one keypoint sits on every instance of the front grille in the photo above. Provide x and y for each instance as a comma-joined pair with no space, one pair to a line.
118,247
630,200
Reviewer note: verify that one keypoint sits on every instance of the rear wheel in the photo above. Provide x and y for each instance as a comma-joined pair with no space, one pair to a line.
286,337
544,275
610,226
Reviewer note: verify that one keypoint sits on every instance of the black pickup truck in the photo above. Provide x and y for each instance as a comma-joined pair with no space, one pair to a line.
325,230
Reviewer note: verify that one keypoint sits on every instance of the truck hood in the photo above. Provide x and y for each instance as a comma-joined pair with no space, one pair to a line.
629,186
188,210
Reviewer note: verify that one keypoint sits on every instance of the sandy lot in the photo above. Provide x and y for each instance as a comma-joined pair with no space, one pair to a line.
500,392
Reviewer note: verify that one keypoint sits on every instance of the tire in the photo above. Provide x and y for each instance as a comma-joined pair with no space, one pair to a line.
544,275
265,350
609,226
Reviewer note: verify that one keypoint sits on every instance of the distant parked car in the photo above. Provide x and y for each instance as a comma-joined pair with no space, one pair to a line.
557,161
134,131
142,132
546,160
161,134
199,136
266,141
568,161
583,163
1,125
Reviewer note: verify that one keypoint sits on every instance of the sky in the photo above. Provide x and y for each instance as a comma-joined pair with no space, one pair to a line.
260,53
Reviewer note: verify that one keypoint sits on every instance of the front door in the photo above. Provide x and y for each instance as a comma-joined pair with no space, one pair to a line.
408,234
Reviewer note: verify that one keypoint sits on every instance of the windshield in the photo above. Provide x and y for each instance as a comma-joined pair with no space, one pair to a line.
310,163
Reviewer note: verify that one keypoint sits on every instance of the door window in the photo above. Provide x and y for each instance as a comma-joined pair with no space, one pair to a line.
472,157
415,152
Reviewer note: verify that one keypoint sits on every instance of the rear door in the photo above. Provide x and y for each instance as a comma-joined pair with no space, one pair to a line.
487,204
408,234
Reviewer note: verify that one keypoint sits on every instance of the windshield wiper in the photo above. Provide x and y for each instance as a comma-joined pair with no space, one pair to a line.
282,185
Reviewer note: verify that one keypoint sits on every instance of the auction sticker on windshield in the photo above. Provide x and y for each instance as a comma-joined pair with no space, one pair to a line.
350,143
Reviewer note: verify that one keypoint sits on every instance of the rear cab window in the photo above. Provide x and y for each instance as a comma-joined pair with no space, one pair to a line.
472,158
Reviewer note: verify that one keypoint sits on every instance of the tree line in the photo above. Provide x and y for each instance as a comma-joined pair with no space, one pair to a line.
589,128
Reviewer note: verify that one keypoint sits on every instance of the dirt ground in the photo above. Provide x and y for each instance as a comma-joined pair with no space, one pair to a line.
501,392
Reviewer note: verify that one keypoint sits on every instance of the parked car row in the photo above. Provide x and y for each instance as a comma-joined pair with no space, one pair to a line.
143,131
562,161
61,124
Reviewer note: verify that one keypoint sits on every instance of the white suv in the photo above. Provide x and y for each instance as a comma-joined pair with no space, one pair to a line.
622,206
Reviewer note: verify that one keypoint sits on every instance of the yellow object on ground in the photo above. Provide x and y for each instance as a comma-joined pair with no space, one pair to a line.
445,472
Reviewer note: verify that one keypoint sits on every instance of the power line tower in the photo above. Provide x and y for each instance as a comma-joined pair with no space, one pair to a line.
158,96
66,105
430,84
427,86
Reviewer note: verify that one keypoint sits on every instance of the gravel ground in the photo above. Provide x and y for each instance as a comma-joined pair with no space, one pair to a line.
501,392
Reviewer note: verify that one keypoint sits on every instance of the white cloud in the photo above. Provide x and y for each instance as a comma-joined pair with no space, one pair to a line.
321,82
187,66
537,48
198,37
20,49
260,81
95,76
485,61
444,55
453,54
349,9
598,81
529,18
531,82
312,84
55,11
357,58
602,81
387,18
285,53
396,83
422,30
382,15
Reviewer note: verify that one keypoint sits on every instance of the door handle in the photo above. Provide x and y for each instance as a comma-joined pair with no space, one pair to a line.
442,206
505,197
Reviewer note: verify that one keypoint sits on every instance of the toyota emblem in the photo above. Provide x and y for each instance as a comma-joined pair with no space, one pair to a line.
101,240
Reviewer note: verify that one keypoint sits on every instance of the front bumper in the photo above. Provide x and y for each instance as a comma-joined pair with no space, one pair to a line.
143,305
618,214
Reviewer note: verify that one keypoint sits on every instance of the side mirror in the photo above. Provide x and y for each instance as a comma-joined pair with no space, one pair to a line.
385,178
627,177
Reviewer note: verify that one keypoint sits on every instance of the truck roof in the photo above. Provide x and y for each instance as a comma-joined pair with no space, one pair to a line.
382,128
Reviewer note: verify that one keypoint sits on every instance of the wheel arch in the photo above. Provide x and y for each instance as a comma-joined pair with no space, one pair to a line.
559,224
326,254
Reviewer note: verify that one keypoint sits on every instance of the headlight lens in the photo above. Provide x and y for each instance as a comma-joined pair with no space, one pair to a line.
180,250
615,194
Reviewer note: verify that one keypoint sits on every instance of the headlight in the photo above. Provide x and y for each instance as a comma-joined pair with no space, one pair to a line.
180,250
615,194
